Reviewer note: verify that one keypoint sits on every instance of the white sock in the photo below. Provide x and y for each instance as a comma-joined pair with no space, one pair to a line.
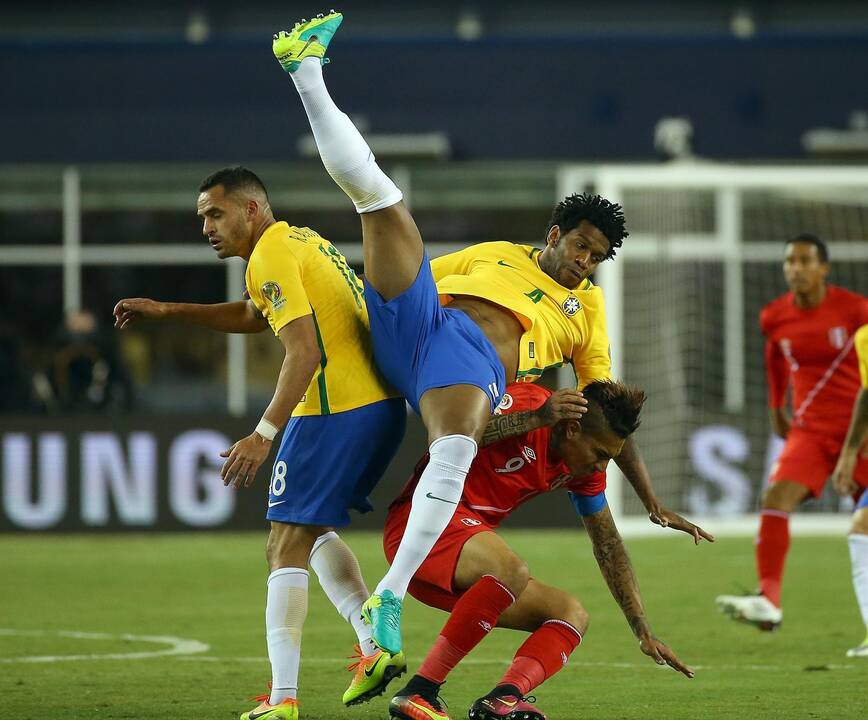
285,611
859,562
343,150
434,502
341,579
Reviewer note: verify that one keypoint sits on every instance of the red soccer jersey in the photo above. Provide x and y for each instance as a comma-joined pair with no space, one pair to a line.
511,472
813,349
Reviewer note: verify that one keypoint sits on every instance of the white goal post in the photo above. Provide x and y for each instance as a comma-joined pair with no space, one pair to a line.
704,252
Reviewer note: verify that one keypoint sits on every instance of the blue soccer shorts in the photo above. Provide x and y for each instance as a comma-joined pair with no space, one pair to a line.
420,345
328,464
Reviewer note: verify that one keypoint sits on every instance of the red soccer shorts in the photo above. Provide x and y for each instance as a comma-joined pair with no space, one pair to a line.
808,458
433,583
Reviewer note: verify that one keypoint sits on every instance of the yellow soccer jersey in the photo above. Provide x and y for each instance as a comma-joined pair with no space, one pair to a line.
560,325
294,272
860,340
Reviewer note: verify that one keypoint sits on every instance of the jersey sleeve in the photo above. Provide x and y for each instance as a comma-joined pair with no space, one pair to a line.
585,505
587,485
274,283
520,397
777,374
588,494
593,360
861,343
457,263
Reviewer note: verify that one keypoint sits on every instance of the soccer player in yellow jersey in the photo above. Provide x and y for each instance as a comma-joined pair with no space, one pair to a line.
842,477
342,421
509,312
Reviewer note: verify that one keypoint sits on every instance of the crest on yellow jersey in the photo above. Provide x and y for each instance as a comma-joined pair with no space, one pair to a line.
571,305
272,292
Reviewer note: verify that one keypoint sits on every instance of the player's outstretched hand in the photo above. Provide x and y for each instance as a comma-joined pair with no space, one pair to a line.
667,518
244,459
842,476
658,651
130,309
564,404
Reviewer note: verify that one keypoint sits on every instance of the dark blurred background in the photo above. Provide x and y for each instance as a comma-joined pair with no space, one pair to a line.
112,113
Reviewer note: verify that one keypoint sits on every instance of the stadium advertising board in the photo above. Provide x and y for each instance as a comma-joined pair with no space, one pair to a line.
89,474
135,473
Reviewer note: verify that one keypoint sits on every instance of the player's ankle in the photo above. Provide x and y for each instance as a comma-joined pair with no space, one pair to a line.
505,689
418,685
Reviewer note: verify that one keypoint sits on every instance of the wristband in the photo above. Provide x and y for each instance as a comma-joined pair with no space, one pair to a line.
267,430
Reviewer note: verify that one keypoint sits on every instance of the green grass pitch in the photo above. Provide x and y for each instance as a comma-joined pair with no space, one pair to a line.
211,588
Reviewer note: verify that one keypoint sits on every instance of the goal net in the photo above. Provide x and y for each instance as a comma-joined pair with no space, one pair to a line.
683,296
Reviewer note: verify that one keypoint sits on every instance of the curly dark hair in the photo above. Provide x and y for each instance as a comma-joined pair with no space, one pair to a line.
233,178
607,217
620,404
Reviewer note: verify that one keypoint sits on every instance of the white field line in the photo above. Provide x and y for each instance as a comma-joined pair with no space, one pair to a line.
573,663
177,646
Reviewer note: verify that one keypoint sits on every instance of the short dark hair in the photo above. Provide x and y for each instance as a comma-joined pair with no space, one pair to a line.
619,404
607,217
233,178
809,239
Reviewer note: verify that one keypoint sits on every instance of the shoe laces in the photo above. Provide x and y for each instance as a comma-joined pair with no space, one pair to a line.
438,703
391,607
263,698
358,658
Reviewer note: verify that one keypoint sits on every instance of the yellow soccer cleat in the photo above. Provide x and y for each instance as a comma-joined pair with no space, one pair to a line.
373,674
286,710
308,38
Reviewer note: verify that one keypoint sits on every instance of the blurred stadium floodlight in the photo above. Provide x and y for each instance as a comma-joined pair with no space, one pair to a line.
834,142
394,146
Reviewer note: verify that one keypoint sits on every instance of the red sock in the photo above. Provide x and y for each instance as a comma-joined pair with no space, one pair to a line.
772,544
543,654
472,618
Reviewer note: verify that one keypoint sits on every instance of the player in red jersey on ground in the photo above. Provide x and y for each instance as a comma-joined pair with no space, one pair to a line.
474,575
809,346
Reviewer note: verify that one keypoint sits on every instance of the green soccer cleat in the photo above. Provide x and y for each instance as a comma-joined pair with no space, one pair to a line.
373,674
308,38
286,710
383,614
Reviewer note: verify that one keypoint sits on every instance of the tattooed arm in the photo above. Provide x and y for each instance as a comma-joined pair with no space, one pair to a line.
561,405
617,570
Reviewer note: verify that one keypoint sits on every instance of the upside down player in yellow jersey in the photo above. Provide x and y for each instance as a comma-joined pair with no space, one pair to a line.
845,484
507,316
343,422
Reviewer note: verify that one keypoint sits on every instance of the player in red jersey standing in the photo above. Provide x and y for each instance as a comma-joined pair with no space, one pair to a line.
475,576
809,346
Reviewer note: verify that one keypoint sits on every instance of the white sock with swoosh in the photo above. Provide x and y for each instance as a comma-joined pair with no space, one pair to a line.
285,611
434,501
343,150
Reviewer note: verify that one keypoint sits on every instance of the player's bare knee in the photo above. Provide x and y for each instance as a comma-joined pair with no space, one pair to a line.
784,496
574,613
513,572
290,545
